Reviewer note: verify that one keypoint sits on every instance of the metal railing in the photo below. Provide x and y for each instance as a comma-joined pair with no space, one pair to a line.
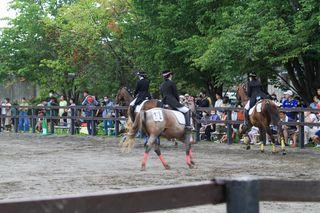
240,195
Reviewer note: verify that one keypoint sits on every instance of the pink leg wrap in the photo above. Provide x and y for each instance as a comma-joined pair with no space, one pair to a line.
145,158
190,153
188,159
164,162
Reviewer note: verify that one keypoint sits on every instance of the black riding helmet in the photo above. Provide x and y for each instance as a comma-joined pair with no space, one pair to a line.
253,74
166,73
141,74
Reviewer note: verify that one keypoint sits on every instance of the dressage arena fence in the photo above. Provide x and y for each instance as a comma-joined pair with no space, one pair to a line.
240,195
75,115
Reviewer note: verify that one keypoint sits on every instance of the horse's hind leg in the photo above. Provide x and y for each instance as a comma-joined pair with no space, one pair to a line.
262,139
158,152
281,138
189,153
148,147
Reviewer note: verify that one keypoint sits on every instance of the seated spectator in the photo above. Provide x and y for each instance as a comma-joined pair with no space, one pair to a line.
225,101
288,131
316,98
309,131
316,138
205,124
253,133
290,103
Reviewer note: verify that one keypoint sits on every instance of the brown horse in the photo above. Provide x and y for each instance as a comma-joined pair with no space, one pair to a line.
123,97
156,122
262,119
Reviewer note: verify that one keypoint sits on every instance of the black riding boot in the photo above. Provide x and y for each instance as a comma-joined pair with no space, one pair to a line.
246,118
187,118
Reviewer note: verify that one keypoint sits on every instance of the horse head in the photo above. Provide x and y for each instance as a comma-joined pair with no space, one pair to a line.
123,95
241,93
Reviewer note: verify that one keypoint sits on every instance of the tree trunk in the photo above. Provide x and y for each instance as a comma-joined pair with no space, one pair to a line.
305,76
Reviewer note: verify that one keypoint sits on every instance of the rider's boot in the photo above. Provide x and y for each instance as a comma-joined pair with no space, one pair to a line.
188,126
246,118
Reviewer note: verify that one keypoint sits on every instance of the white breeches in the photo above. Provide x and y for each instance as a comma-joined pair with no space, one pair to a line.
247,106
183,109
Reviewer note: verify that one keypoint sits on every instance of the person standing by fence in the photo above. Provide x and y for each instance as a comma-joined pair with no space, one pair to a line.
90,102
24,123
107,113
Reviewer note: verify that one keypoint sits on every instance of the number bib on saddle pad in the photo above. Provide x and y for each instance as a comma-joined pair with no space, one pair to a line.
157,115
258,106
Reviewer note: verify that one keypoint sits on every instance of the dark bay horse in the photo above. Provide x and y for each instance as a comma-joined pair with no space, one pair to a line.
262,119
154,123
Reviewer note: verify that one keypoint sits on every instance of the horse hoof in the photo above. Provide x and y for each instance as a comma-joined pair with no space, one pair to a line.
191,166
143,167
248,147
283,153
262,151
192,162
167,167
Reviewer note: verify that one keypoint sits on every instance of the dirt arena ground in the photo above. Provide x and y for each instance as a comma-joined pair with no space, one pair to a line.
34,166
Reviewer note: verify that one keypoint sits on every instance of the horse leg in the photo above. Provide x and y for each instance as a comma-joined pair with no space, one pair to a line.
190,163
281,137
146,152
269,132
158,152
262,139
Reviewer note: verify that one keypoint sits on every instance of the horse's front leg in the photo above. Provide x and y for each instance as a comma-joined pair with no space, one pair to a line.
158,152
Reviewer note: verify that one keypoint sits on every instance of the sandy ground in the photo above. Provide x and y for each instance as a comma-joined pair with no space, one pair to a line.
35,166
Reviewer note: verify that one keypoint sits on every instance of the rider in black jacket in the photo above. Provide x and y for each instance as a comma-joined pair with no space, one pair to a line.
170,97
141,92
255,93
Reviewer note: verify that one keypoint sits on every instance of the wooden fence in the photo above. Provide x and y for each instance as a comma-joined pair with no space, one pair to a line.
118,110
240,195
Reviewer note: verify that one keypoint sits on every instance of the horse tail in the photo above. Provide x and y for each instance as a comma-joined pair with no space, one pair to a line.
273,113
143,116
129,140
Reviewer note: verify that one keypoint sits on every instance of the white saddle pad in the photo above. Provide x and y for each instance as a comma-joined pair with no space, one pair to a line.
138,107
258,106
158,116
179,116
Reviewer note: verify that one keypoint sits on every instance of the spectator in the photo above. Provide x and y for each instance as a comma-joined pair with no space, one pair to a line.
62,103
205,124
316,139
204,102
275,99
8,121
316,98
72,106
225,101
253,135
218,102
41,111
54,111
3,113
288,131
107,113
24,123
309,131
89,111
290,103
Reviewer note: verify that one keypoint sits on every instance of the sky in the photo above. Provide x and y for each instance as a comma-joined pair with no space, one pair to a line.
4,12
